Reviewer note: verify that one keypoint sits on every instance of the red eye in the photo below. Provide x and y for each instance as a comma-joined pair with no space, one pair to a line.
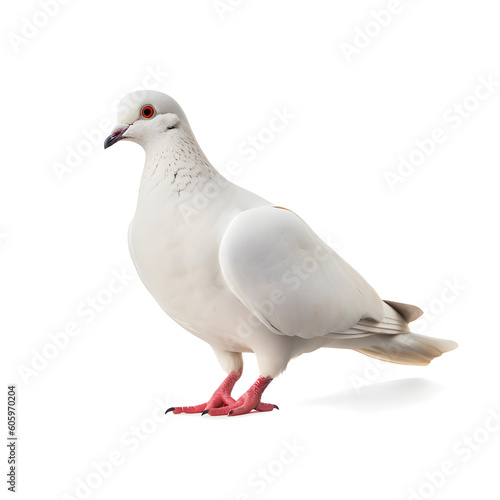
147,111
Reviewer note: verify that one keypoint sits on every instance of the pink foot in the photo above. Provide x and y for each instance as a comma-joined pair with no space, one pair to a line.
221,403
220,398
247,403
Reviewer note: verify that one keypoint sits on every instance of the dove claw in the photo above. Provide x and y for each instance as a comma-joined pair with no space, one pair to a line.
221,403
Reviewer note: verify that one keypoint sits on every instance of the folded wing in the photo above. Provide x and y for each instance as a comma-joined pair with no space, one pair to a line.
295,283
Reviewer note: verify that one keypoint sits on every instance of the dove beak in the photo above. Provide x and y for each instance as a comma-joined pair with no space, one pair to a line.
116,135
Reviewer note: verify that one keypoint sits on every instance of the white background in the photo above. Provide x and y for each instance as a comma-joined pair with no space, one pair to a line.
434,236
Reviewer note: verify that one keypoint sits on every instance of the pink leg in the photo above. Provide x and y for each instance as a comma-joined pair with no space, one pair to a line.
221,397
248,402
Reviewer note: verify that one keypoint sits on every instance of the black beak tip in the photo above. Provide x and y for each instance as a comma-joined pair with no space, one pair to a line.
116,136
110,140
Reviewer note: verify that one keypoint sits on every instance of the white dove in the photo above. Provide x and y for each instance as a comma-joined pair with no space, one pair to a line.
242,274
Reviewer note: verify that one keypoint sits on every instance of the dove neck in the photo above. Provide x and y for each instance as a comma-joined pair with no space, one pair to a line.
175,163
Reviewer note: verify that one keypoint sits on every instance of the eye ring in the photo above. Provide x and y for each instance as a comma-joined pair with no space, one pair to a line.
147,111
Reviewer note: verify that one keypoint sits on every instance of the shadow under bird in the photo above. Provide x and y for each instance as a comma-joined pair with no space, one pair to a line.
242,274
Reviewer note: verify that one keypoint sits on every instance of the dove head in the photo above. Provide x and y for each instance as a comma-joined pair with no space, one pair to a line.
145,115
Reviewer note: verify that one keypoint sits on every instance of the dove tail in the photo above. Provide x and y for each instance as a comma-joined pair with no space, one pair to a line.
403,348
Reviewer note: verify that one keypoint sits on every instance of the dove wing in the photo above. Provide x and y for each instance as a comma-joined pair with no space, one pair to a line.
290,279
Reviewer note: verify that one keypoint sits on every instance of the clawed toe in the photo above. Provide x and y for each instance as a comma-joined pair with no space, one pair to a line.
221,403
187,409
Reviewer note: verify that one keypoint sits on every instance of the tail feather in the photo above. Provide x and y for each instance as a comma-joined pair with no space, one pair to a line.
409,312
390,339
403,348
